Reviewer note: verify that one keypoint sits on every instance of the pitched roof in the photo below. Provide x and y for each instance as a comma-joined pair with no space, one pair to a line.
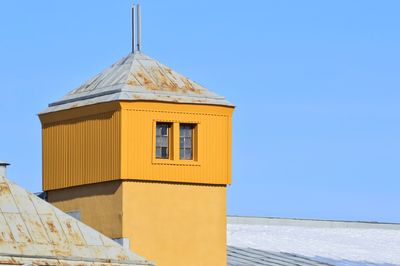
137,77
33,231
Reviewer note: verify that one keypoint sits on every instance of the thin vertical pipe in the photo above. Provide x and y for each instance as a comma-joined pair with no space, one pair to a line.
133,28
139,28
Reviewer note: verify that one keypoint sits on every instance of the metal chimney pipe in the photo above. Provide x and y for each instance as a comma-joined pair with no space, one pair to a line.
139,28
133,28
3,168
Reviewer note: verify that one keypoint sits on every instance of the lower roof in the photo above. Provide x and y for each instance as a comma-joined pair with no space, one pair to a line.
33,231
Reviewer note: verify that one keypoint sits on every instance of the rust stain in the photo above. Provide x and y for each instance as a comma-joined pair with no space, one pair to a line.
11,237
165,82
4,189
39,225
8,261
132,82
162,82
69,226
21,247
149,84
61,252
189,86
76,238
199,101
20,229
122,257
39,262
174,87
3,237
167,69
52,227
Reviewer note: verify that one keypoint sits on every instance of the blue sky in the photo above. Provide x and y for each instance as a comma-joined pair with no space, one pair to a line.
316,84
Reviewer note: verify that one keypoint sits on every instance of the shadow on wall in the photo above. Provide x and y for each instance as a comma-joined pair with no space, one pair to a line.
89,191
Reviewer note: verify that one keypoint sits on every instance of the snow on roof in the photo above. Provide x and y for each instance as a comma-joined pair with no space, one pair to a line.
33,231
137,77
334,243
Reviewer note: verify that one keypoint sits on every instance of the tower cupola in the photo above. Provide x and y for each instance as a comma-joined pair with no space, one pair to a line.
143,154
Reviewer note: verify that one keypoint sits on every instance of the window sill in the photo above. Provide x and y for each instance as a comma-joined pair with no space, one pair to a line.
175,162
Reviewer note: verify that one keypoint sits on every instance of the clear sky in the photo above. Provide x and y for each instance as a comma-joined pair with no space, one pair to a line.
316,86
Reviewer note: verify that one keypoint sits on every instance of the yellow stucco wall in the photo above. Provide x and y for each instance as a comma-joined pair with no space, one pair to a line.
100,205
170,223
176,224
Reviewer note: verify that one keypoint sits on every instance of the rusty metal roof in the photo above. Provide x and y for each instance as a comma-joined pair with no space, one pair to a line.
137,77
34,232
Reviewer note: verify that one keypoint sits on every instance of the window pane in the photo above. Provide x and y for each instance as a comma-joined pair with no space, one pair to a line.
162,140
158,141
188,143
164,152
188,154
164,131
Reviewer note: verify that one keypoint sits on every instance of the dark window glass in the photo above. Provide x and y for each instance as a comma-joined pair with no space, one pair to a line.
162,140
186,141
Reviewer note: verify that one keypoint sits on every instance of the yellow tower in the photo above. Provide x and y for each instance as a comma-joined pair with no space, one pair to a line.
143,154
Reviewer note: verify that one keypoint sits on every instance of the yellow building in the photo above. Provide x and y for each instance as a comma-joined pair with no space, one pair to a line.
143,154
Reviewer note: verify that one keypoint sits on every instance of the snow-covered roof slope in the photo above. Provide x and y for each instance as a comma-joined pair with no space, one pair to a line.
34,232
334,243
137,77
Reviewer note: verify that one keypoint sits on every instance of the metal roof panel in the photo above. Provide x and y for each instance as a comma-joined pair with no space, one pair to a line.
137,77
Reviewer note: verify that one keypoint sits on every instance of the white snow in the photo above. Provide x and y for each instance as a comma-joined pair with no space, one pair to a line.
360,245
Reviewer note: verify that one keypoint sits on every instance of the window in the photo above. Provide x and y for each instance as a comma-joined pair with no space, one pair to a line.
75,214
175,143
186,141
163,135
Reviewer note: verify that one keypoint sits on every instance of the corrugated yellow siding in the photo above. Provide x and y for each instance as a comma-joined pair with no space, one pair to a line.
214,143
81,150
115,140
